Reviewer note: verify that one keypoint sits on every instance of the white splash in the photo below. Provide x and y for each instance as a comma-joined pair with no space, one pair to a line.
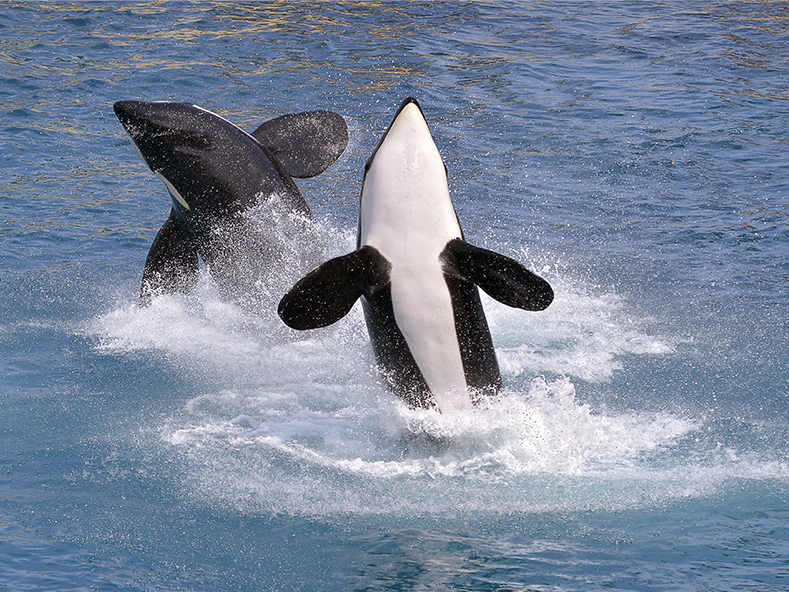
582,334
297,423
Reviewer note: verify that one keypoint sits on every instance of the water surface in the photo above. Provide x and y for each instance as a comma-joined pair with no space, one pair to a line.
632,153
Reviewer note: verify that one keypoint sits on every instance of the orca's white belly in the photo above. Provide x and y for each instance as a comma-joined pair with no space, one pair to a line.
423,312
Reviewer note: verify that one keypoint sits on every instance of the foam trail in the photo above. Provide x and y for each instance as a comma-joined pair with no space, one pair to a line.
361,459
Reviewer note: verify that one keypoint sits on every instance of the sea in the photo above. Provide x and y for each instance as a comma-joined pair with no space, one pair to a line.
634,154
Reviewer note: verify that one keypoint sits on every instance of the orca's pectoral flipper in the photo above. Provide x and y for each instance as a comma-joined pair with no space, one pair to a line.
328,292
305,144
172,264
500,277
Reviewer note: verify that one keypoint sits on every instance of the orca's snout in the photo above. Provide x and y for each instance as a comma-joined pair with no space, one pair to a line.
155,112
126,110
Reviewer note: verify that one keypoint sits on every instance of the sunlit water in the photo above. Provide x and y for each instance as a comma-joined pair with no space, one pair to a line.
634,154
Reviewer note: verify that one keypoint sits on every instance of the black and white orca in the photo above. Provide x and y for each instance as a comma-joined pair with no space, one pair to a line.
234,202
417,278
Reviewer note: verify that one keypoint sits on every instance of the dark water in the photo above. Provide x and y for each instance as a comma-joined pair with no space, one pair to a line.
635,154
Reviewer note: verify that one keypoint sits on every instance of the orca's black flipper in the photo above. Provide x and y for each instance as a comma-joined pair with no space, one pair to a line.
172,264
500,277
328,292
305,144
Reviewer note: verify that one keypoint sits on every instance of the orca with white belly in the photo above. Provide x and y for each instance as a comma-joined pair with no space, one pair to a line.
234,202
417,278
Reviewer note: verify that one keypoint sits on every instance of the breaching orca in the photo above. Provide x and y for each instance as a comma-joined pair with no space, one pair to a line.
234,202
417,277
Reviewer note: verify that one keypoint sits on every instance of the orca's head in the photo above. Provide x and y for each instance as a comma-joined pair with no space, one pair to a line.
405,180
409,141
184,145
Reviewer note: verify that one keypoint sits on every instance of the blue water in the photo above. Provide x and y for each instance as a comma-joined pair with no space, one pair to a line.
633,153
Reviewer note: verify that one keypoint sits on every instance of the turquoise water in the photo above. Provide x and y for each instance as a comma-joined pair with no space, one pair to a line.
634,154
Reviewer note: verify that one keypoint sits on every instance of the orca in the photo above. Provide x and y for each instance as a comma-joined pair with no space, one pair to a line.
234,202
417,278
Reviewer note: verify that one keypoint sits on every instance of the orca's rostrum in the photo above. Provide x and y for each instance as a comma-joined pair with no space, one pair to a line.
417,277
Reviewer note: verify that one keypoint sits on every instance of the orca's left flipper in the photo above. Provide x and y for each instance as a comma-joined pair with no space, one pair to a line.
305,144
328,292
500,277
172,264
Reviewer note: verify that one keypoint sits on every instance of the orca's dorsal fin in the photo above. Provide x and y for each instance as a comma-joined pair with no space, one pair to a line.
172,264
500,277
328,292
305,144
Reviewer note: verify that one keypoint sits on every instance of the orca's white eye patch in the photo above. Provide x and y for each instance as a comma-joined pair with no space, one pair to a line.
173,191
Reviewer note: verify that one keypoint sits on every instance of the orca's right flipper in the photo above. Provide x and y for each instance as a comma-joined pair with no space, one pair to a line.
172,264
305,144
500,277
328,292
